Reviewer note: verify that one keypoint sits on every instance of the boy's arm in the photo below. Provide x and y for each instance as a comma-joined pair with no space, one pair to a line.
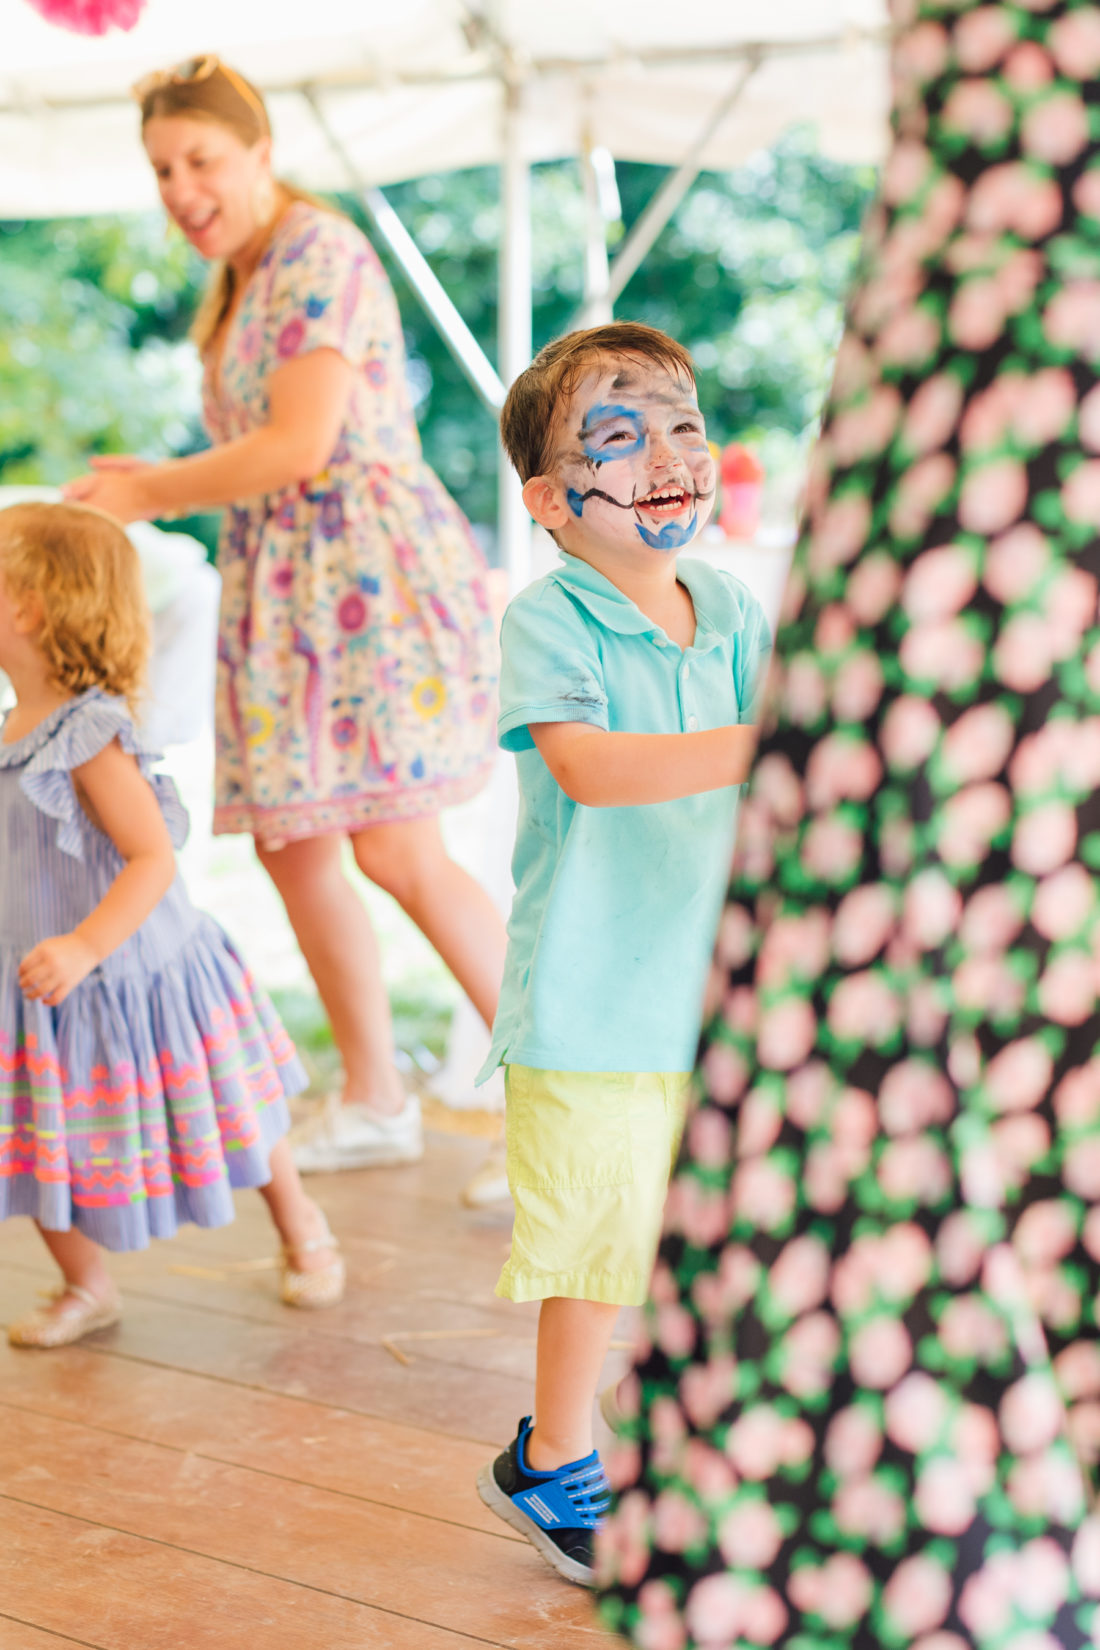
621,770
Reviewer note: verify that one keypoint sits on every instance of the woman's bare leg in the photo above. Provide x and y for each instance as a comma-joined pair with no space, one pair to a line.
337,941
451,909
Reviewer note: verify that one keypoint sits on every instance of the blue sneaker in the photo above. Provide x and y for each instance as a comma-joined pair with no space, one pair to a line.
557,1511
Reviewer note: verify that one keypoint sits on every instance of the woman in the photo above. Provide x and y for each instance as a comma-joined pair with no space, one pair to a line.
356,656
867,1410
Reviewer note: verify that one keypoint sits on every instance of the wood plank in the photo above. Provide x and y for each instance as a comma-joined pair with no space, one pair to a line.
20,1635
70,1577
384,1462
399,1563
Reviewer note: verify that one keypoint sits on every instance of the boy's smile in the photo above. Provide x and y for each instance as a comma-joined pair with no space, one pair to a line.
633,461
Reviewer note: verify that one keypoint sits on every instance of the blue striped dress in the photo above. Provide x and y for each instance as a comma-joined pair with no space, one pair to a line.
161,1081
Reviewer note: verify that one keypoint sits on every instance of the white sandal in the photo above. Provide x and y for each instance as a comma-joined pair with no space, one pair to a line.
61,1325
321,1288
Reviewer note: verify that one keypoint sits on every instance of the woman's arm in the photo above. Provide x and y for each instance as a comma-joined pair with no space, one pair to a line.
307,403
120,800
621,770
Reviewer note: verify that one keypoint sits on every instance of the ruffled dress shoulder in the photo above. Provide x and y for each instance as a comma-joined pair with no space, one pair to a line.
160,1083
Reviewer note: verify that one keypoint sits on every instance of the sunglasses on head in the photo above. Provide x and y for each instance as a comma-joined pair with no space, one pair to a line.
194,69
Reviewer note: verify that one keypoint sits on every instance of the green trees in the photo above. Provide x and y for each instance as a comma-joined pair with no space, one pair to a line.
750,275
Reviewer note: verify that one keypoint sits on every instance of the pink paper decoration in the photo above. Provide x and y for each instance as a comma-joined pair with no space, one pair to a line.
90,16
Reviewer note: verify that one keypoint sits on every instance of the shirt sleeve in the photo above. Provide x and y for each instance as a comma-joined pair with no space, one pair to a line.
550,668
751,660
329,292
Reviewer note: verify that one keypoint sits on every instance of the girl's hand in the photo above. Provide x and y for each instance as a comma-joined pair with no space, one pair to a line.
117,486
55,967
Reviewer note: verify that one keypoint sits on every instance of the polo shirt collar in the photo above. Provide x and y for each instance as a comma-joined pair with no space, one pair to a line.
718,613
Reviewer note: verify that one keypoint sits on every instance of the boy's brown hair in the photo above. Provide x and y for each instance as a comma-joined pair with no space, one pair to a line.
531,409
85,574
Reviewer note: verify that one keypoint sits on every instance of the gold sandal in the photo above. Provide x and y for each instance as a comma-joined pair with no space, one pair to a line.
321,1288
47,1327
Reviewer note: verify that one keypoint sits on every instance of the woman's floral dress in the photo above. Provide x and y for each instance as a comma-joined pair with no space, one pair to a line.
866,1411
357,659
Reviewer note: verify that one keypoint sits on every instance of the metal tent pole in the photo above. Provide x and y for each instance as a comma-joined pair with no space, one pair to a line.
514,322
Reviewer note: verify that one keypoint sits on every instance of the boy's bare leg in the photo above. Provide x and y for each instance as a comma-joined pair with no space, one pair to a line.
573,1340
297,1218
81,1262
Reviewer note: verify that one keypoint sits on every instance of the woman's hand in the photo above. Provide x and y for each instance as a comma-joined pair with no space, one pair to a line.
117,486
55,967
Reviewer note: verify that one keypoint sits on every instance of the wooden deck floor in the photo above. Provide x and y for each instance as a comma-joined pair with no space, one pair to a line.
222,1472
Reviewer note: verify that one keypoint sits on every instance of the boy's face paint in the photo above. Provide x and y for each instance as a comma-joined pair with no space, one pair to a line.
634,460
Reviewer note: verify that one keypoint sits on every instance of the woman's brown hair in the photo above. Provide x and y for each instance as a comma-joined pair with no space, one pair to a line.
85,576
226,98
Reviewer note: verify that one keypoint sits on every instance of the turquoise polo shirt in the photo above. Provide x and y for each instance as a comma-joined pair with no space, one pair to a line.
616,909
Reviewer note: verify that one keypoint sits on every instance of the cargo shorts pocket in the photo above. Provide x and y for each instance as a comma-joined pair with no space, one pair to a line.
568,1130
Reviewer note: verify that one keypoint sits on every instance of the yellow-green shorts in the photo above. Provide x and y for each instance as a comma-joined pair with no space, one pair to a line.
589,1159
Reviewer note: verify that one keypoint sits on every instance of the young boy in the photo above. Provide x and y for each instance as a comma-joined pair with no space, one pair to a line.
626,686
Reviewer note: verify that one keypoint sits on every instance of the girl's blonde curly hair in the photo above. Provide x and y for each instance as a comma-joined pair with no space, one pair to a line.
82,571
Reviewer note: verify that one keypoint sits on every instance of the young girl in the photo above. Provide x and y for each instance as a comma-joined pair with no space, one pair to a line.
142,1074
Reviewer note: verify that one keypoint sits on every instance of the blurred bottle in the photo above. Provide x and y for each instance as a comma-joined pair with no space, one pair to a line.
742,477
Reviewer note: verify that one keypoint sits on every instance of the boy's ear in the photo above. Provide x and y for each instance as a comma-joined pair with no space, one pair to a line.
27,614
545,504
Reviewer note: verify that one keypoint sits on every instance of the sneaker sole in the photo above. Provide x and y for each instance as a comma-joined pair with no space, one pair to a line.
504,1507
371,1157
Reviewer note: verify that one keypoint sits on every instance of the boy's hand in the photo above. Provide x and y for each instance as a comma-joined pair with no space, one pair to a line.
55,967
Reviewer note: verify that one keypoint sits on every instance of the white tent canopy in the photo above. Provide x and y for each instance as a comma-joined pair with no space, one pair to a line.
416,86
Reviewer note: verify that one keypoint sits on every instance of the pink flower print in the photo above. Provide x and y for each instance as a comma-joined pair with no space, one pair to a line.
839,1592
787,1033
944,1499
863,1506
933,413
991,920
852,373
799,1279
922,53
1077,1097
977,315
986,1602
624,1465
725,1074
809,1355
804,694
1028,67
776,785
861,432
829,1170
1018,1077
1047,1486
960,1249
1081,493
841,533
978,744
706,1391
835,631
914,1095
832,849
1015,197
674,1333
971,819
1072,318
749,1536
993,496
1025,652
978,110
794,948
722,1610
808,1093
623,1542
854,1120
1086,193
976,1442
709,1473
710,1134
1046,1233
762,1194
1067,989
986,985
1081,1171
351,612
1031,1414
864,1008
909,732
873,587
906,171
765,1616
923,488
904,1261
1088,416
858,687
918,1595
660,1627
982,38
990,413
853,1442
942,652
1041,758
1046,409
939,583
1044,838
908,338
916,1413
1075,43
677,1523
880,1353
755,1442
932,909
1085,1557
289,341
914,1170
1042,1580
970,1328
864,921
736,932
1016,562
1056,129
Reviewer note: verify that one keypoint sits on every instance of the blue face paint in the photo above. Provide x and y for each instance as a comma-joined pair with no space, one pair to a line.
672,535
575,501
600,447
